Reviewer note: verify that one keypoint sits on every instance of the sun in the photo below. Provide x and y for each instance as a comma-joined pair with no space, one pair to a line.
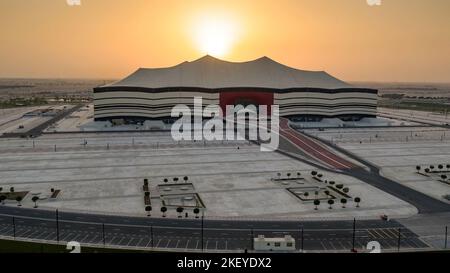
215,35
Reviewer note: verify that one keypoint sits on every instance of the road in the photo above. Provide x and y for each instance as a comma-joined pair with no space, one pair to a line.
186,234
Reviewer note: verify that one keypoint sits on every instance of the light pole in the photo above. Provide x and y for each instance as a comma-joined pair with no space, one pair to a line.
57,225
354,234
103,234
202,230
151,236
446,234
14,227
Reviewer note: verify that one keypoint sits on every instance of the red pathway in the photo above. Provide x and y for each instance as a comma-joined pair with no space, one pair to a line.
313,148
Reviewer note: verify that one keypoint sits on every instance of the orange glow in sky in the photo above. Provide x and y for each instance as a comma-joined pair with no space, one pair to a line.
401,40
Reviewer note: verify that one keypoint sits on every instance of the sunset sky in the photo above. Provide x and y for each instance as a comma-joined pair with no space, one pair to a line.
401,40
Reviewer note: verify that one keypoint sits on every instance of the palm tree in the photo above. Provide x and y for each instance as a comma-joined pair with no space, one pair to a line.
432,168
316,203
447,166
444,177
175,179
19,199
298,174
288,175
320,175
196,212
2,199
427,170
185,179
332,182
339,186
418,168
180,211
316,193
166,180
343,202
357,201
306,194
35,199
163,210
11,189
327,192
1,189
148,209
346,190
313,173
331,202
440,167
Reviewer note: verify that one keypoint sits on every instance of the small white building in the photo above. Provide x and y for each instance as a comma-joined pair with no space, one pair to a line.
287,243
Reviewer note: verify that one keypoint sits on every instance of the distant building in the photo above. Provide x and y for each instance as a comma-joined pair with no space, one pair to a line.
152,93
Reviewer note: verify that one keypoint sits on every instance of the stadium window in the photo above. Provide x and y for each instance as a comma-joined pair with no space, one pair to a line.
277,244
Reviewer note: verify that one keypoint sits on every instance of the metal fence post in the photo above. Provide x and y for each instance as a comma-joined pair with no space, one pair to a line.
57,225
14,227
151,237
446,235
103,232
303,240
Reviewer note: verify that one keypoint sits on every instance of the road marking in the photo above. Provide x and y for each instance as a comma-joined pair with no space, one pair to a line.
159,241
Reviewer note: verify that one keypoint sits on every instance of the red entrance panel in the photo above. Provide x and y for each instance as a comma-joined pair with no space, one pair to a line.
249,97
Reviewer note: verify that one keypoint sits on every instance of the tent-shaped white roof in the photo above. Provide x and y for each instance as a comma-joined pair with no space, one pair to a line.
212,73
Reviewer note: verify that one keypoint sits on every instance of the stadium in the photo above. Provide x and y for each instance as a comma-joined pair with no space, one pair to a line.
308,95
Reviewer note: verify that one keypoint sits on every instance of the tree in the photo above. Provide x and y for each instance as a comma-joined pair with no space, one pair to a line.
418,169
343,202
444,177
320,175
2,199
331,202
440,167
147,193
35,199
313,173
145,182
447,166
306,194
180,211
346,190
316,193
327,192
175,179
196,212
279,176
357,201
166,180
299,174
339,186
11,189
163,210
185,179
288,175
427,170
332,182
316,203
148,209
19,199
432,168
1,189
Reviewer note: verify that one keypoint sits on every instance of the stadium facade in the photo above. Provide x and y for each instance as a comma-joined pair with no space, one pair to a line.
152,93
